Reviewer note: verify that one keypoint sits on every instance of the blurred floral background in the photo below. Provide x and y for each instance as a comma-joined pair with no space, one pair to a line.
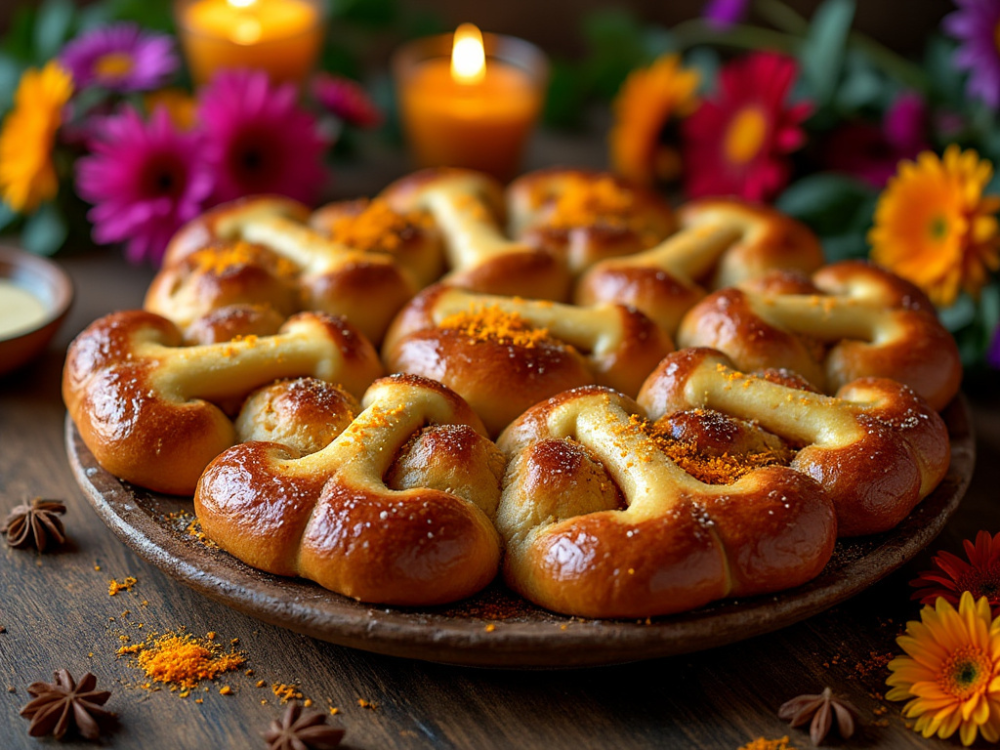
887,152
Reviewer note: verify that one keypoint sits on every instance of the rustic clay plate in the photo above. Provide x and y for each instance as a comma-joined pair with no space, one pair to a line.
496,628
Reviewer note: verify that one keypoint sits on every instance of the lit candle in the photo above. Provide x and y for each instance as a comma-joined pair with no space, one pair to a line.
464,103
282,37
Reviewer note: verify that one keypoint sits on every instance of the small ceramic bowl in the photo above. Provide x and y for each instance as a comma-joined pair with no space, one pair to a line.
45,281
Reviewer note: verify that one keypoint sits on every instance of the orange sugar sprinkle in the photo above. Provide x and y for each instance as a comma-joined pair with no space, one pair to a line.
126,585
588,201
378,227
492,323
286,692
703,466
181,660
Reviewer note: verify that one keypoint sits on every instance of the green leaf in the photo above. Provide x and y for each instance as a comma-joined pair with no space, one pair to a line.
52,28
708,63
44,231
959,315
11,70
564,101
18,42
863,87
7,216
615,40
825,200
822,54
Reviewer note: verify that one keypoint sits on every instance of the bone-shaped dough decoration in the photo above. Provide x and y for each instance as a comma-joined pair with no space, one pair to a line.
333,277
396,510
877,448
852,320
599,522
148,408
467,208
721,242
504,354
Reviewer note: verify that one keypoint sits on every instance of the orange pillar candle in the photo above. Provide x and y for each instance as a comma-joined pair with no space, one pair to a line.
468,100
282,37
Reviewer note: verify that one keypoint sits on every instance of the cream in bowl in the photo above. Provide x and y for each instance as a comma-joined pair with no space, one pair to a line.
35,295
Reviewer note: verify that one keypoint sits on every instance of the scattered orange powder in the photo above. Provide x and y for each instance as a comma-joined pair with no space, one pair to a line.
114,586
218,260
377,228
181,660
762,744
492,323
286,692
367,704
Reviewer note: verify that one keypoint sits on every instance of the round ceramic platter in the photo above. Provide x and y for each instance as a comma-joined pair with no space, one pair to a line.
497,628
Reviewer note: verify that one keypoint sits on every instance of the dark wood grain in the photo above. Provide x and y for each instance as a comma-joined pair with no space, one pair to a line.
57,613
496,628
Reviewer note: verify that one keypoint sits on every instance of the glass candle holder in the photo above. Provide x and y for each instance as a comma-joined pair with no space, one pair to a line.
282,37
481,124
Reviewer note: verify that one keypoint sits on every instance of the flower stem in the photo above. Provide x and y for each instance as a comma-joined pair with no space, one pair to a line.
782,17
895,65
695,31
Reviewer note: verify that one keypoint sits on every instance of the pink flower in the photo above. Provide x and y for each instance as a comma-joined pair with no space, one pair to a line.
737,143
347,100
872,152
258,140
145,179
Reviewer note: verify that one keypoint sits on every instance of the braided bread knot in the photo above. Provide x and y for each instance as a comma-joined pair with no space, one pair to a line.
850,320
397,509
152,411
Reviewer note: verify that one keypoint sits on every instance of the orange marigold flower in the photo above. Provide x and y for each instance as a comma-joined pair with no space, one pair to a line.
934,226
951,673
650,100
980,575
27,174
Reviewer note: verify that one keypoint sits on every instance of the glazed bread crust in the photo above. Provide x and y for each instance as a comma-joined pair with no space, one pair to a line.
397,509
877,448
501,376
851,320
598,522
149,408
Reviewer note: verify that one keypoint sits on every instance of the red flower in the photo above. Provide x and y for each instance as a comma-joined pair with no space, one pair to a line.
347,100
736,143
980,576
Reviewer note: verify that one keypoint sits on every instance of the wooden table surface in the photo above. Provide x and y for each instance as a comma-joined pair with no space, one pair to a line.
58,614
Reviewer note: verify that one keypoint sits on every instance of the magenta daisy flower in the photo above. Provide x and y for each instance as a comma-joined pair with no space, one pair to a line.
121,57
347,100
974,25
145,179
258,140
723,14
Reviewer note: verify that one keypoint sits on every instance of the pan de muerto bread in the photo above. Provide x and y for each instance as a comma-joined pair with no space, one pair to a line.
397,509
503,354
148,408
850,320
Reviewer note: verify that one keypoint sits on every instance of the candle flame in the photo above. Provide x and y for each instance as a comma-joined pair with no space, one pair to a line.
468,58
241,3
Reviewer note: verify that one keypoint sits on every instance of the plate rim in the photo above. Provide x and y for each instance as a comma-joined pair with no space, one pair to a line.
430,635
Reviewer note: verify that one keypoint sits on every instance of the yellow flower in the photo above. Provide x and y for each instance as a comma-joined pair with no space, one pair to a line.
181,107
27,175
934,226
952,674
650,100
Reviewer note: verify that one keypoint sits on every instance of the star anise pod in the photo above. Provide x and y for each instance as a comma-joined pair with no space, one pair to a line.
33,525
59,705
298,730
822,709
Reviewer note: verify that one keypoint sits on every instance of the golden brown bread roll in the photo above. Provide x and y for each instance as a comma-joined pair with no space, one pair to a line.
722,241
331,517
599,522
147,407
877,447
467,208
851,320
582,216
332,277
505,354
